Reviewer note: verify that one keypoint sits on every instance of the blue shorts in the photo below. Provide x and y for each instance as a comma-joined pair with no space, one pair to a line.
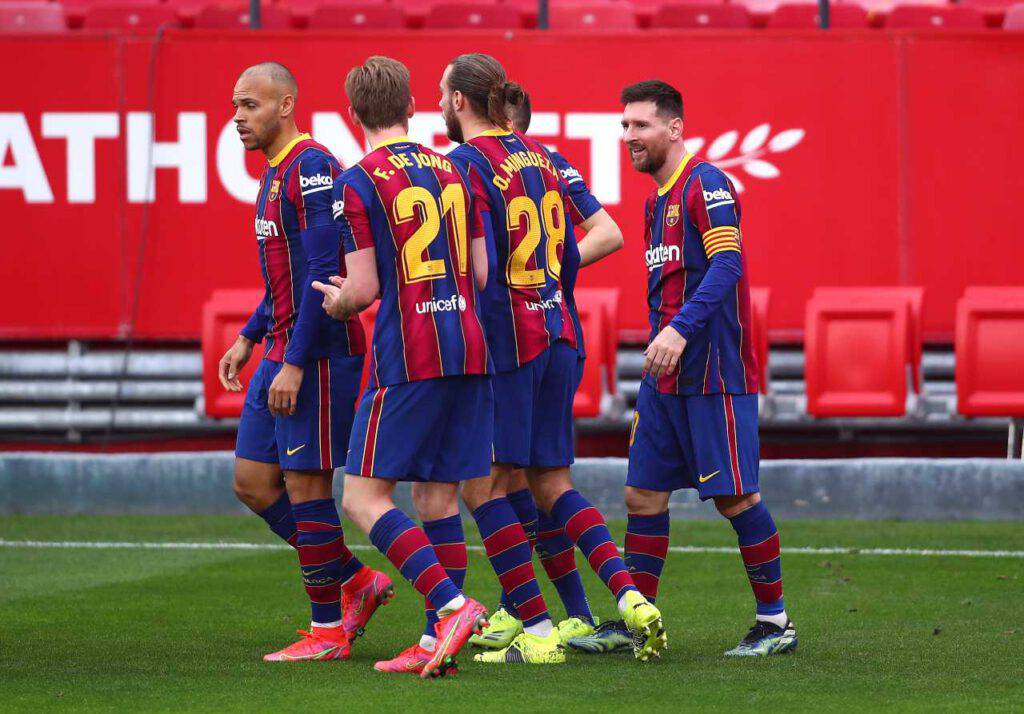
428,430
312,438
707,442
533,409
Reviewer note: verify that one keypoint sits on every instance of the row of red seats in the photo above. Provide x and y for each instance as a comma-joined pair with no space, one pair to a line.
862,349
227,311
146,17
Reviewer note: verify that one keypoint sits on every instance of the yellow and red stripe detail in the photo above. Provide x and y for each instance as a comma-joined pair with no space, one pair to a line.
723,238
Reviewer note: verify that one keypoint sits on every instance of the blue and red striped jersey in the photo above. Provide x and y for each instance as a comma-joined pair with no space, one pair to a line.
293,204
420,212
586,205
524,306
690,222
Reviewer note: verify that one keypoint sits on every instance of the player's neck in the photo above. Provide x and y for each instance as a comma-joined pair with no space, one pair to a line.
376,137
676,154
288,135
475,126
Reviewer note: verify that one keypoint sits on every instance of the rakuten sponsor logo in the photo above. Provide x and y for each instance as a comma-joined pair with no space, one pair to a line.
265,229
657,256
549,304
455,302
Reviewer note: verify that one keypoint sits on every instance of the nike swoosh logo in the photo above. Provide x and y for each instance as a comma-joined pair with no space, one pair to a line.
702,478
295,450
413,664
362,601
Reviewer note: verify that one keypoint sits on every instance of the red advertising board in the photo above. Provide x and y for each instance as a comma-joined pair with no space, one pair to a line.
865,158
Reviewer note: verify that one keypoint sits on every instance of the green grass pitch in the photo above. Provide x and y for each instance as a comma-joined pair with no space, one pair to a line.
179,630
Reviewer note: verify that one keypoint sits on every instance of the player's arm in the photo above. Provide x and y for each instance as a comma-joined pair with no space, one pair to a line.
717,220
602,235
344,297
322,244
239,353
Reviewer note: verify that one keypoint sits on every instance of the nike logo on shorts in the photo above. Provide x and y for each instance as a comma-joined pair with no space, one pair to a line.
702,478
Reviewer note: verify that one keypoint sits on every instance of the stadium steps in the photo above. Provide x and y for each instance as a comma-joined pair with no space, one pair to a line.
80,390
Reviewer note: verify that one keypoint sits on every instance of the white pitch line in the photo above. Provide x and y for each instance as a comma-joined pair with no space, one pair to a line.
833,550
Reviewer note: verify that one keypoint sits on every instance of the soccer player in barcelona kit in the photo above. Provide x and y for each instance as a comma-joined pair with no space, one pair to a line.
533,344
298,408
414,235
557,553
696,414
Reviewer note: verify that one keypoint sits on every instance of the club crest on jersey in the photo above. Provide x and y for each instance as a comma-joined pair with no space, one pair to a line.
672,214
275,190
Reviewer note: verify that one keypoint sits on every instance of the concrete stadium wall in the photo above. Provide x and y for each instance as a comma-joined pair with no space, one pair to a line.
200,483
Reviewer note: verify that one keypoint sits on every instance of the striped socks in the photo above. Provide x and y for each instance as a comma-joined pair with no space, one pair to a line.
646,548
449,541
558,556
585,526
406,546
509,552
279,517
759,547
323,558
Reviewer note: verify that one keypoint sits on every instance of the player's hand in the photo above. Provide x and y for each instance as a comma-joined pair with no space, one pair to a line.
284,390
332,297
232,362
662,355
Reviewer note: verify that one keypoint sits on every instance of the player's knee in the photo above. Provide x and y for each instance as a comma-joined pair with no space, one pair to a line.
732,506
548,485
643,502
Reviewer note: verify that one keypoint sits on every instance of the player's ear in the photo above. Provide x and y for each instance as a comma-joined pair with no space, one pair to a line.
287,105
354,117
675,128
411,109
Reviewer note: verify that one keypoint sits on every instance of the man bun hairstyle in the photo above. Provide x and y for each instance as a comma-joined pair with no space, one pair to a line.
666,98
482,80
379,92
520,115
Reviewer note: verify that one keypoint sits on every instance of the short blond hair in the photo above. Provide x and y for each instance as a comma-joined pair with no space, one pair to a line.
379,92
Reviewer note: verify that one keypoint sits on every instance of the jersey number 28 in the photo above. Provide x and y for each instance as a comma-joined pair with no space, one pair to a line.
523,212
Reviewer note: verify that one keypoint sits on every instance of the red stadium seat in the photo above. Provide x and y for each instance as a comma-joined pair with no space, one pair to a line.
805,16
129,17
992,10
470,16
236,17
587,402
592,17
1014,19
75,9
760,298
989,344
607,300
380,16
856,355
936,18
699,16
914,300
224,314
32,17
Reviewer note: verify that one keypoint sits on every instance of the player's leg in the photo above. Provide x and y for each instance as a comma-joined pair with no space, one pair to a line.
396,437
505,540
726,450
558,557
581,522
309,442
259,482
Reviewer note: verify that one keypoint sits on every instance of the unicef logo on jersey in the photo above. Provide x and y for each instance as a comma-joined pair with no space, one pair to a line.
455,302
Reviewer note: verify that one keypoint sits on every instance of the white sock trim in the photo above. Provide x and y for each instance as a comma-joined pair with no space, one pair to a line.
337,623
544,628
781,619
451,606
428,643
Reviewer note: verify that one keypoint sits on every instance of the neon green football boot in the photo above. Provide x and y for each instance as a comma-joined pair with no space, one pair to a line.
644,620
527,649
574,627
499,634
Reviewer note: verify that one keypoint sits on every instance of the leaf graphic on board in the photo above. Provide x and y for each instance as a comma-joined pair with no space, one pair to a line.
760,168
755,139
694,145
785,140
722,145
